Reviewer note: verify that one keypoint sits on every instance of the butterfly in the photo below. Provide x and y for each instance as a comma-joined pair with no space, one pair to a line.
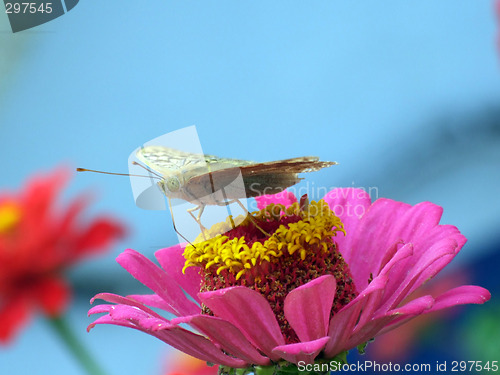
203,179
210,180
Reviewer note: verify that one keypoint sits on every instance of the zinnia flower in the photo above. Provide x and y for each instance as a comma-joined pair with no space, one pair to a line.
327,277
37,243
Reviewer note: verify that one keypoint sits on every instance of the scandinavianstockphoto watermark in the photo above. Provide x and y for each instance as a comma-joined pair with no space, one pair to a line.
26,14
315,192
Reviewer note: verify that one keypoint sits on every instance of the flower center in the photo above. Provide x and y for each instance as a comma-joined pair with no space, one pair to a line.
10,216
299,247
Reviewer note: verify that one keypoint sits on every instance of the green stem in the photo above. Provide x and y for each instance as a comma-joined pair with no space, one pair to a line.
75,346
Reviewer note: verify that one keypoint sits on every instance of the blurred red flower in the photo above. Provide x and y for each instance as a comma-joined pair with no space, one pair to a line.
37,243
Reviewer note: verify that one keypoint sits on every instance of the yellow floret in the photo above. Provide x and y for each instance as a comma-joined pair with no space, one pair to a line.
314,231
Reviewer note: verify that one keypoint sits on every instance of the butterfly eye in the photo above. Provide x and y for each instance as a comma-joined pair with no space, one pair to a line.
173,184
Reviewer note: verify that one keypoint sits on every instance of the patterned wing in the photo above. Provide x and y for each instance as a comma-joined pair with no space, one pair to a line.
259,178
164,159
275,176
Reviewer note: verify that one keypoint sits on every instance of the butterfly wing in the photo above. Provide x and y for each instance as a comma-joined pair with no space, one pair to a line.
205,175
205,183
165,160
196,171
274,177
258,178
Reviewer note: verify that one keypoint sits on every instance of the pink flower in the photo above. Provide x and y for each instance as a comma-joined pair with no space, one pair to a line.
291,295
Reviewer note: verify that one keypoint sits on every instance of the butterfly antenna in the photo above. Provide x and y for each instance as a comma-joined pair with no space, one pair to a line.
173,223
148,169
116,174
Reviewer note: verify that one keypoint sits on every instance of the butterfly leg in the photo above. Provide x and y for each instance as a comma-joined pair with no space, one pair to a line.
197,218
249,215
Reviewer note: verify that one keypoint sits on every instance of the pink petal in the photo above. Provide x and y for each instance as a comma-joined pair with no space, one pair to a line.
414,307
396,270
344,321
307,308
152,300
427,266
367,331
372,301
249,311
114,298
302,351
104,308
106,319
198,347
228,337
389,255
158,281
416,223
439,233
130,316
459,296
442,236
286,198
181,339
124,317
137,316
172,261
369,243
349,205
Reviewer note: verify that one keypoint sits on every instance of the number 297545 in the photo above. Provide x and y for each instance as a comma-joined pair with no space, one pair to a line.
32,8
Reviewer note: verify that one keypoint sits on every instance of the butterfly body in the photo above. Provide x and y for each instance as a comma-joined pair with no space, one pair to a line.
210,180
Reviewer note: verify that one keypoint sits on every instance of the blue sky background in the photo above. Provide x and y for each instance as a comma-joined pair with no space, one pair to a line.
404,95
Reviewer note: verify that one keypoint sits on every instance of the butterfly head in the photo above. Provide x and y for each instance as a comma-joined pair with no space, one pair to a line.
171,186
